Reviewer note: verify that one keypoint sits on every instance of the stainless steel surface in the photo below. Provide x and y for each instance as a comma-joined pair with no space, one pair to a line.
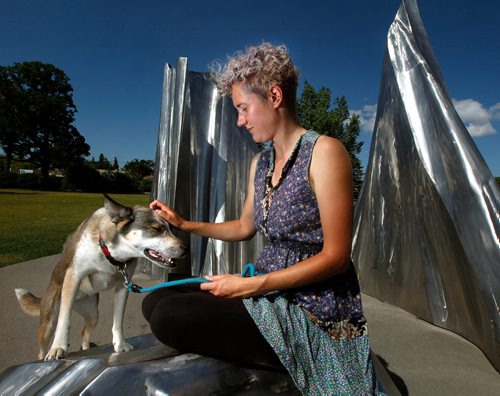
150,369
427,221
202,164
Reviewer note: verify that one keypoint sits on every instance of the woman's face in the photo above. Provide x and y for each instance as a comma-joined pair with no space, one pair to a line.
258,116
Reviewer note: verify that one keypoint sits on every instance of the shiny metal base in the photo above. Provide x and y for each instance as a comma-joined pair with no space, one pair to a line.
150,369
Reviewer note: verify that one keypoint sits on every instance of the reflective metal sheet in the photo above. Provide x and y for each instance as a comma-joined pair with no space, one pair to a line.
202,164
150,369
28,378
190,374
427,221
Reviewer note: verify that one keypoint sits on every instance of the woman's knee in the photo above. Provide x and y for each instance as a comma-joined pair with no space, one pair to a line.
152,299
167,325
148,305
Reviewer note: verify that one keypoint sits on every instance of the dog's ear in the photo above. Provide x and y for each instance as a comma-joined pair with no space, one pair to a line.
116,212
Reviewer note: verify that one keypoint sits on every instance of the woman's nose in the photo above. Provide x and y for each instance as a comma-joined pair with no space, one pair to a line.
241,120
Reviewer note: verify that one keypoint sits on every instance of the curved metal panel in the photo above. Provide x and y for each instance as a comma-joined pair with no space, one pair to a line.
427,222
151,368
202,164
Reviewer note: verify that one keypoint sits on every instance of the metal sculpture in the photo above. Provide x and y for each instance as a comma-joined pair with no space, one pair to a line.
427,221
150,369
202,164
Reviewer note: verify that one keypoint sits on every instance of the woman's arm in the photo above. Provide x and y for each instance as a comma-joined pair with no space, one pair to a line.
331,178
234,230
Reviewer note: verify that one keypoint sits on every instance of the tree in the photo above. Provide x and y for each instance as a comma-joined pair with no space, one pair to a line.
83,177
315,112
139,169
11,124
40,117
115,164
103,163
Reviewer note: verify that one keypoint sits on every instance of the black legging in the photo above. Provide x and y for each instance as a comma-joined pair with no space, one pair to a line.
191,320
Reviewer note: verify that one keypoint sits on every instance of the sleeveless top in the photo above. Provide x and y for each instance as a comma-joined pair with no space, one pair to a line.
288,216
318,331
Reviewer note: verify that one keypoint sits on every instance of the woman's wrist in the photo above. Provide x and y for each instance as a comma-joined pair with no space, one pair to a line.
257,285
186,225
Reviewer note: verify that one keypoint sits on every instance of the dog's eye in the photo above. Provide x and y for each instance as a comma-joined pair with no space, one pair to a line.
158,228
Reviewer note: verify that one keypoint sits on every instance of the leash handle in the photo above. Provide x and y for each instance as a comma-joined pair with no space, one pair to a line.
170,284
249,268
132,287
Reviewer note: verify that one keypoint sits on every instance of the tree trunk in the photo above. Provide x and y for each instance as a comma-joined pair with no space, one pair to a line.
45,177
7,162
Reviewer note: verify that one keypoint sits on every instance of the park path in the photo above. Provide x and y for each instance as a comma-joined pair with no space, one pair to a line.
422,358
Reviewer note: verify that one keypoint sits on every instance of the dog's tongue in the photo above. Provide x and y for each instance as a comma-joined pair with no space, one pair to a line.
154,255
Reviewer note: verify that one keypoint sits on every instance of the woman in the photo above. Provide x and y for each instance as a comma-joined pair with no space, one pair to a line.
304,312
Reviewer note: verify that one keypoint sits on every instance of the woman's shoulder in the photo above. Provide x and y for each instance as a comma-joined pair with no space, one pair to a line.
326,145
330,165
258,158
330,153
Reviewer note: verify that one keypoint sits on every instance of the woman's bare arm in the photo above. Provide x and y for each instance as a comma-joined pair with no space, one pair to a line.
233,230
331,178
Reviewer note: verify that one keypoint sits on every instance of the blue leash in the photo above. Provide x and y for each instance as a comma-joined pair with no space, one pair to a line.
132,287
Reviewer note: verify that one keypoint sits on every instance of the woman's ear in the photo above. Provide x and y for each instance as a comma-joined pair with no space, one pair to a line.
275,95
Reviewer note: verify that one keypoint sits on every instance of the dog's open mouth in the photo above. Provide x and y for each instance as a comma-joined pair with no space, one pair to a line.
158,258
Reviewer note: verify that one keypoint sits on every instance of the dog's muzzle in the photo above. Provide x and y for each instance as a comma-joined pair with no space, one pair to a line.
159,259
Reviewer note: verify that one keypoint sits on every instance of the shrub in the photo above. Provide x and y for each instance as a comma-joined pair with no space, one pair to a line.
29,181
82,177
54,183
8,179
146,185
117,182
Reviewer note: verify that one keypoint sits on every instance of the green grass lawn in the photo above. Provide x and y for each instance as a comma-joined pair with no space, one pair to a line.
35,224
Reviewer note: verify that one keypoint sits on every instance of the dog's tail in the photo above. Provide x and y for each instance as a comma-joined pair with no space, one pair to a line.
30,304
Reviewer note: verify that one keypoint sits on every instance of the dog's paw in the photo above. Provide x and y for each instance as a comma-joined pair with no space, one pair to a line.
55,354
122,347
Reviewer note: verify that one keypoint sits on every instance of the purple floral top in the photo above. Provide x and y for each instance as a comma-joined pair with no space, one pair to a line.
288,216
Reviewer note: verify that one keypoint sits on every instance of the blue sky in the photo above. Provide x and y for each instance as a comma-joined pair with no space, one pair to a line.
114,53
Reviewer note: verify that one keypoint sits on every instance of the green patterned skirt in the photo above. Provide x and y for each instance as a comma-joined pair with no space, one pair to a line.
317,363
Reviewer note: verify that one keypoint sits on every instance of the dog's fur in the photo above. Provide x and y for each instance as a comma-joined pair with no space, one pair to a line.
83,271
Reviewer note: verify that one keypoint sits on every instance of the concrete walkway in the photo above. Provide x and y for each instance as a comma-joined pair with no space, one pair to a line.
421,358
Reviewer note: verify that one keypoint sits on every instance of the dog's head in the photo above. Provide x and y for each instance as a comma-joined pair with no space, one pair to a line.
144,233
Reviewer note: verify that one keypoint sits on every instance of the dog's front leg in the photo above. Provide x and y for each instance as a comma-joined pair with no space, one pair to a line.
121,296
68,293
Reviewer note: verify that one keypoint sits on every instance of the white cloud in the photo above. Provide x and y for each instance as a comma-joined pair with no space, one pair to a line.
366,117
476,117
495,111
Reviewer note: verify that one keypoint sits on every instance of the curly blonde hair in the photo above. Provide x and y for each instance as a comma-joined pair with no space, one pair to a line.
258,68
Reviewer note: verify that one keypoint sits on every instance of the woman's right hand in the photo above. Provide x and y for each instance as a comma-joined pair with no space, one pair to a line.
167,213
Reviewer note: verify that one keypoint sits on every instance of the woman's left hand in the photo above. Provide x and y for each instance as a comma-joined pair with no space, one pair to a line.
232,286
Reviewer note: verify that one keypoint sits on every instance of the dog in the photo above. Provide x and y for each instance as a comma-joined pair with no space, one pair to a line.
91,258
